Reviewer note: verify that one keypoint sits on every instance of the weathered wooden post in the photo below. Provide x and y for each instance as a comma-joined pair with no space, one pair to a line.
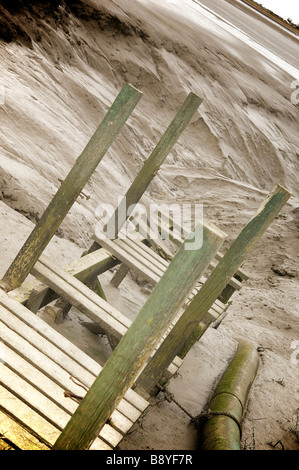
187,330
136,346
153,163
71,187
146,175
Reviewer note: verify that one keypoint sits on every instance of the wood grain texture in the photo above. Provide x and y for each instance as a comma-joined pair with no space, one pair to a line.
71,187
188,328
135,348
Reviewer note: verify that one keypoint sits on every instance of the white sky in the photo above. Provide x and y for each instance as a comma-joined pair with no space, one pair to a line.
284,8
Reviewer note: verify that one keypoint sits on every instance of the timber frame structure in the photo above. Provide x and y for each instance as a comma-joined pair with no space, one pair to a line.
62,398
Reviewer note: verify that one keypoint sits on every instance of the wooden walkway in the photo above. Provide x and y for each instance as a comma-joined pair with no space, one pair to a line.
112,322
42,376
151,266
52,394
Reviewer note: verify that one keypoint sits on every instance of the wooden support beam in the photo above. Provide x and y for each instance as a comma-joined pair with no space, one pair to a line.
35,294
135,348
16,433
229,290
187,328
54,355
120,275
153,163
71,187
81,297
172,231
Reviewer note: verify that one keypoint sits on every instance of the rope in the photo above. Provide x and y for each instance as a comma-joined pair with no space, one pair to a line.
205,415
202,417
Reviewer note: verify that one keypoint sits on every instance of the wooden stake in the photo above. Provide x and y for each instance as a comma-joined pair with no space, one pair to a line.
139,342
153,163
71,187
187,328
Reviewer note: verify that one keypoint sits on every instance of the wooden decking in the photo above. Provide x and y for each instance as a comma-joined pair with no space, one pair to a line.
135,255
108,318
42,376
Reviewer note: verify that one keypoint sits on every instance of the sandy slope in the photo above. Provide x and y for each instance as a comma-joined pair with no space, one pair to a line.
62,71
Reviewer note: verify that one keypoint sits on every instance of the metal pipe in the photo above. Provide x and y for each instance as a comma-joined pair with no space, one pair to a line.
222,429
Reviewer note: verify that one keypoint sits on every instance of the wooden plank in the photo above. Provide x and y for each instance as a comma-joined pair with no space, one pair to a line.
18,434
146,252
39,271
120,274
43,395
71,187
36,298
150,263
127,259
142,252
34,294
158,244
154,161
240,272
80,301
47,348
55,372
208,319
84,268
35,357
4,445
36,400
171,231
177,361
133,351
82,288
39,426
55,364
185,329
64,344
91,265
110,435
237,285
170,225
133,254
54,392
40,381
32,421
47,332
144,255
